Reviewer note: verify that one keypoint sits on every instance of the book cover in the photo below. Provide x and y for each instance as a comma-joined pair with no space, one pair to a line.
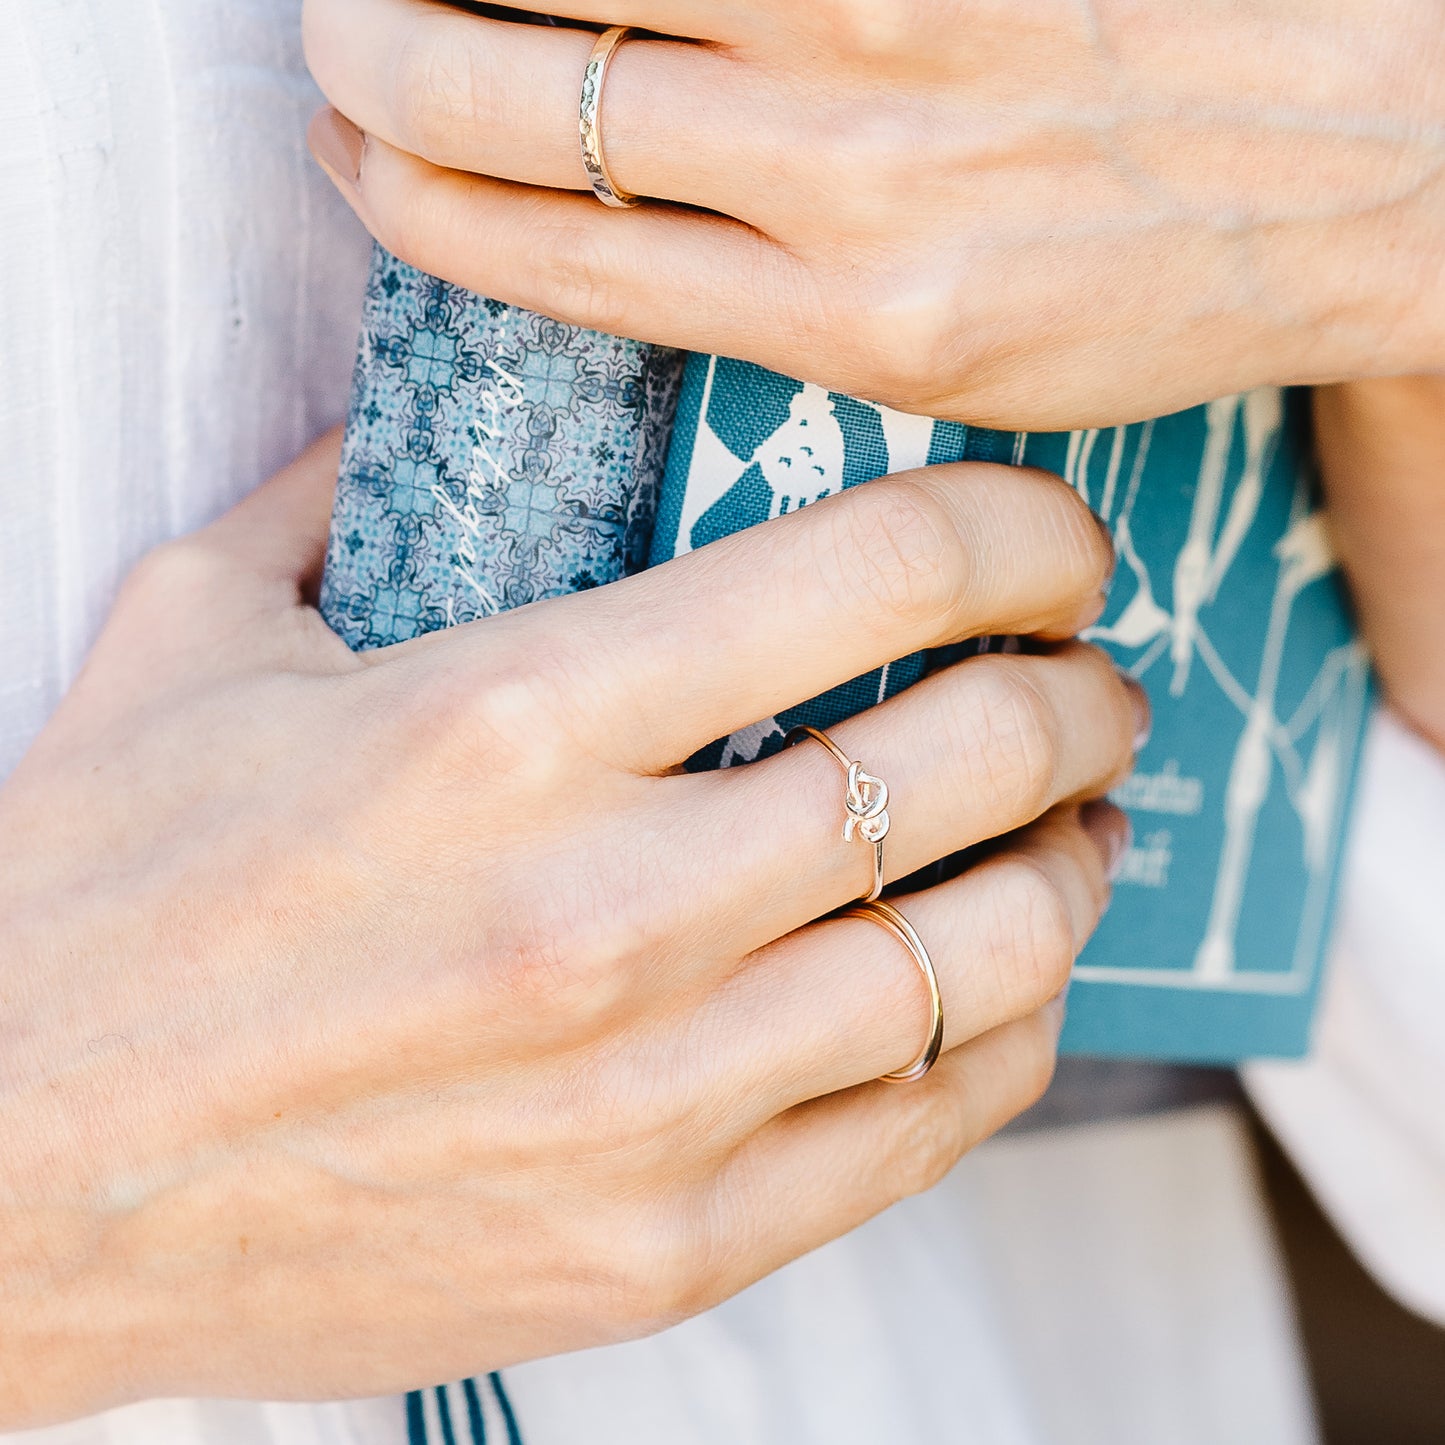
493,457
1227,606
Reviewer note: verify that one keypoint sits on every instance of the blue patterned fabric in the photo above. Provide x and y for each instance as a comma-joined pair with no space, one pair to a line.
492,458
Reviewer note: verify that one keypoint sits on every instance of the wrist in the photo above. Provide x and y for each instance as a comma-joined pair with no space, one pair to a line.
1379,302
1325,185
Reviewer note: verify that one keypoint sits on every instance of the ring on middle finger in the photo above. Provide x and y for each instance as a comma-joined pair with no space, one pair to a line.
865,803
594,156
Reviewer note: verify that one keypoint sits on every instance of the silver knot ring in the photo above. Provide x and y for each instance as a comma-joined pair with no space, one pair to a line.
594,159
865,803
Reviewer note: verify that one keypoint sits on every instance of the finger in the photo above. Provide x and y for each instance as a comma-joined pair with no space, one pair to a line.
635,273
501,99
279,531
212,597
828,1166
843,1001
656,666
968,754
659,665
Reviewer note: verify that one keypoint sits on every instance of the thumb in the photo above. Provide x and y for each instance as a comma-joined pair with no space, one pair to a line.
208,604
278,533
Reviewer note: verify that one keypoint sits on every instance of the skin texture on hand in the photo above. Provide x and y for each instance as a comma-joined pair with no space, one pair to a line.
1036,217
375,1020
1382,454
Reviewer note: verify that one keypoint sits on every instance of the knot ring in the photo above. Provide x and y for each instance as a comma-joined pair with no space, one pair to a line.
865,803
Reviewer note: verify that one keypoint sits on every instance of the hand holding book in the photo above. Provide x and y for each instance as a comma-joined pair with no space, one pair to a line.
992,214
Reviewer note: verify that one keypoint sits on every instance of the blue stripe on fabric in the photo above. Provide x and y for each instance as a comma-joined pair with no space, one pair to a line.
444,1412
475,1419
949,444
415,1420
514,1435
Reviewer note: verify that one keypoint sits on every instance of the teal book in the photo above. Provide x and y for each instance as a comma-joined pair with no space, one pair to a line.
1227,606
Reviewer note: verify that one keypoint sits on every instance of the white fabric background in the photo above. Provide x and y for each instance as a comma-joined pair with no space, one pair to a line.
178,299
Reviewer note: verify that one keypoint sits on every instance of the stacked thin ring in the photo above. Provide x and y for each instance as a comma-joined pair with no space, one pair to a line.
885,915
594,157
865,808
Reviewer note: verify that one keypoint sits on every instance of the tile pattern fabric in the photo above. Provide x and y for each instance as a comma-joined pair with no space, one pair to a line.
493,458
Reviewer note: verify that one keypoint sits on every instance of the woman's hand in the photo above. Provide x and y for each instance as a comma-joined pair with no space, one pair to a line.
374,1020
1035,217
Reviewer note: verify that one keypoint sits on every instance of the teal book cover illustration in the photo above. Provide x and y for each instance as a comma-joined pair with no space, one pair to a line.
1227,606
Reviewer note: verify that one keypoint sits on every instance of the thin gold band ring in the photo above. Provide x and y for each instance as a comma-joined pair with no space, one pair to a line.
589,120
885,915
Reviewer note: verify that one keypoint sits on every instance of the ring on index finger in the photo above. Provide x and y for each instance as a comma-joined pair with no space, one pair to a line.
865,803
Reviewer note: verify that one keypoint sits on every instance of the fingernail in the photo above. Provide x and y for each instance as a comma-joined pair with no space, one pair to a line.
337,145
1108,533
1143,712
1093,610
1057,1011
1111,831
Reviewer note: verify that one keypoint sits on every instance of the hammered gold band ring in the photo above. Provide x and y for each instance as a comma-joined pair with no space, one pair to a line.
594,157
865,803
885,915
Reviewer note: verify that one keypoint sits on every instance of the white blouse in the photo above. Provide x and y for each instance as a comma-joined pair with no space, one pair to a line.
179,293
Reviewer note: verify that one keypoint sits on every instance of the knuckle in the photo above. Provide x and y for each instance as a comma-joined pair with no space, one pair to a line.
1037,929
661,1274
869,31
897,534
1018,750
502,726
880,146
929,1141
441,89
574,265
905,330
570,976
622,1103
